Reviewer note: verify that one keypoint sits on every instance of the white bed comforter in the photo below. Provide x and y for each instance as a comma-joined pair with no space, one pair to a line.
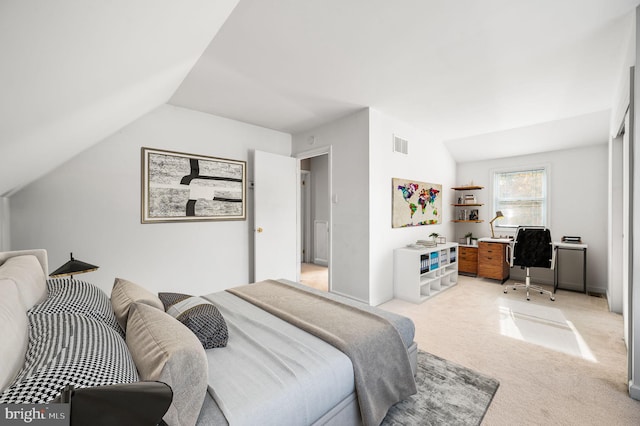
271,372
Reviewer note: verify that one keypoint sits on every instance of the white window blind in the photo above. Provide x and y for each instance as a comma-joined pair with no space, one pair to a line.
521,195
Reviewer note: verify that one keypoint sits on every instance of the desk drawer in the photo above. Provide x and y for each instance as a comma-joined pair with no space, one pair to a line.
492,261
468,260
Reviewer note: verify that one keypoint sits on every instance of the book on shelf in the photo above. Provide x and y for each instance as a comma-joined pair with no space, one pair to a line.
424,263
427,243
444,257
435,256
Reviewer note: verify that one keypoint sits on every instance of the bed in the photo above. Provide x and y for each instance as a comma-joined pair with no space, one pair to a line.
268,353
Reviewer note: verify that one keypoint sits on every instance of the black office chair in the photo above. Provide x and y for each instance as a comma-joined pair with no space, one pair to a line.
532,248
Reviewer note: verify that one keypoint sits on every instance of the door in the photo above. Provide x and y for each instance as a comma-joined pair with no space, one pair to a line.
275,216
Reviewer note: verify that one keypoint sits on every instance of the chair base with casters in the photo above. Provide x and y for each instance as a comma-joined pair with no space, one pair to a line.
530,287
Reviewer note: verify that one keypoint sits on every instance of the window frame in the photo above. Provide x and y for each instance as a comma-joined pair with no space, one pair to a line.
546,197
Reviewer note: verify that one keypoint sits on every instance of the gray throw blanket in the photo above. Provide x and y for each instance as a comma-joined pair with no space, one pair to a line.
380,361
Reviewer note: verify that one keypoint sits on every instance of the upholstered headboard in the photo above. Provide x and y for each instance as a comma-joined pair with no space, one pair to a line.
22,284
40,254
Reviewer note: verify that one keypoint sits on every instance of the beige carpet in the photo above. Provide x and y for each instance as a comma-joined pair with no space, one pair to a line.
558,363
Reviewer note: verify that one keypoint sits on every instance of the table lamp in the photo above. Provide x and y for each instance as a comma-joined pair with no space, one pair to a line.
73,266
498,216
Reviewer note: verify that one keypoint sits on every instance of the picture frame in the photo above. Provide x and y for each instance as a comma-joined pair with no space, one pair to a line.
415,203
182,187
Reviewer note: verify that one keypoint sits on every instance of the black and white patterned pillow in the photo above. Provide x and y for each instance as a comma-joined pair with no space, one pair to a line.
200,316
67,349
77,297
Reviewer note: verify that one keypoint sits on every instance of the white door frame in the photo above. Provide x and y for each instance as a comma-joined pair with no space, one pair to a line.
305,214
302,156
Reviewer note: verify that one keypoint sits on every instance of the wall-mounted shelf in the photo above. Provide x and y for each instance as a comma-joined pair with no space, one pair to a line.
467,188
462,214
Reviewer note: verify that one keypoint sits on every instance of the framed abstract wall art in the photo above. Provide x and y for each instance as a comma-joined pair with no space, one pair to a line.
186,187
415,203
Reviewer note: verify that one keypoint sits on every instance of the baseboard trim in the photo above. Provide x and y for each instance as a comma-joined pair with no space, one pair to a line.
348,296
634,391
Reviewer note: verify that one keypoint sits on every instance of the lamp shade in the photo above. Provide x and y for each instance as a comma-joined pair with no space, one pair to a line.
72,267
498,216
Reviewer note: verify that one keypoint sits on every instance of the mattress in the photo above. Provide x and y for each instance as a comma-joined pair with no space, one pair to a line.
272,373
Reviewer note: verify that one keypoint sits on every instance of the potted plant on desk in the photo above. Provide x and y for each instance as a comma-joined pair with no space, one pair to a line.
468,237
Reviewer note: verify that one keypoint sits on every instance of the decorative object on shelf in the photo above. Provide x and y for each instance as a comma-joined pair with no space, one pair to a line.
73,266
473,214
442,240
186,187
434,236
415,203
467,238
498,216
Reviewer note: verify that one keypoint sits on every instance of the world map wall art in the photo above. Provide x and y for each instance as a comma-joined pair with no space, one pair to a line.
416,203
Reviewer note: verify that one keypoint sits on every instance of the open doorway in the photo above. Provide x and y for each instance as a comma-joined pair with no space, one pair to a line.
315,220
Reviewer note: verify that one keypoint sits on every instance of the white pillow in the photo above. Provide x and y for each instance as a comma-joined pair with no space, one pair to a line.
14,332
26,271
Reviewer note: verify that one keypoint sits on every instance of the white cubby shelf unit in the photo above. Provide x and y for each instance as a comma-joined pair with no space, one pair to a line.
421,273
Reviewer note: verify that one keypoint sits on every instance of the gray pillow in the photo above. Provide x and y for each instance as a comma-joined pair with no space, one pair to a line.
200,316
165,350
124,293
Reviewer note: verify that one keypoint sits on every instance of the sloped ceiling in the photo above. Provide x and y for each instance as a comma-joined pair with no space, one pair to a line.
470,72
76,71
476,74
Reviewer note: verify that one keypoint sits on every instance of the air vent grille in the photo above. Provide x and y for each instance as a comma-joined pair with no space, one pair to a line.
400,145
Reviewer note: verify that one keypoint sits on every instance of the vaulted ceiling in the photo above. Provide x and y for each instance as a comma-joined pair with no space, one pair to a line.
471,73
457,69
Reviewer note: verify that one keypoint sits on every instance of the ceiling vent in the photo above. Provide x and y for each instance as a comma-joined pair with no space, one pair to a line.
400,145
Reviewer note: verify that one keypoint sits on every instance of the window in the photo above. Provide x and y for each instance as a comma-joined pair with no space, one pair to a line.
521,196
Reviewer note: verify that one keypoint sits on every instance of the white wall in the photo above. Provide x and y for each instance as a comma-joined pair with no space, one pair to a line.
578,186
428,161
91,206
349,248
5,236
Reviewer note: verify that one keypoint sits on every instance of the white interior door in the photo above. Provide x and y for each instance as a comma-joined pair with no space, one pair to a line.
275,213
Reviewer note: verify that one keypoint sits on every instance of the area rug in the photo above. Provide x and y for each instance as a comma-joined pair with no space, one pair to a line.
448,394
